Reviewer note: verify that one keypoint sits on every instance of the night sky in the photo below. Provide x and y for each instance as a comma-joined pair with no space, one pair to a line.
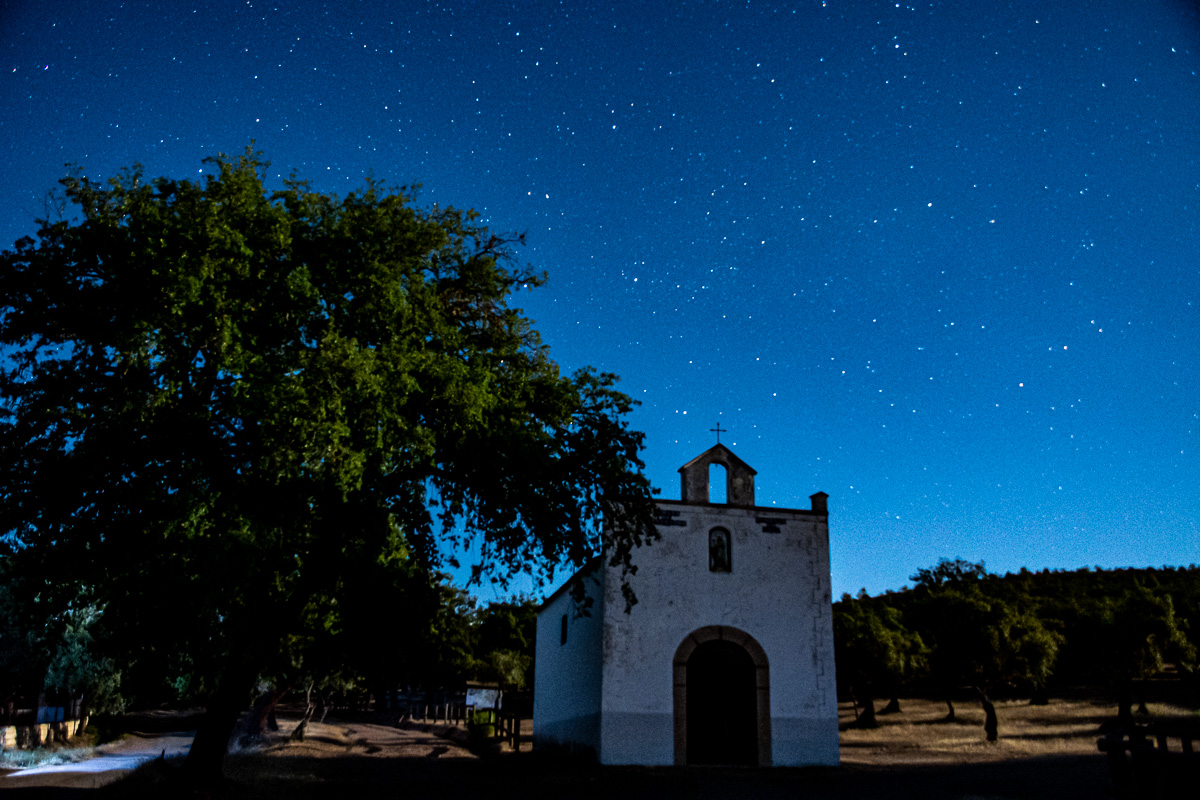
937,260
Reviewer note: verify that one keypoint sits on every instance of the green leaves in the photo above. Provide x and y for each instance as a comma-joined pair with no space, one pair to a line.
245,396
875,652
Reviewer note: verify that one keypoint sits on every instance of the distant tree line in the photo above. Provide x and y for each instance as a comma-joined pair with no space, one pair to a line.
961,629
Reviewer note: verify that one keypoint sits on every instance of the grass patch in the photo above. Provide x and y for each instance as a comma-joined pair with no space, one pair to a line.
80,748
44,757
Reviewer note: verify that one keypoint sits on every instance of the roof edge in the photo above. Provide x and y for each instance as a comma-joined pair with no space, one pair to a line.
720,448
806,511
590,565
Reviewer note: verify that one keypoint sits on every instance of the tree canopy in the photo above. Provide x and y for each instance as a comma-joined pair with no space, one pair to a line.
874,653
947,572
220,405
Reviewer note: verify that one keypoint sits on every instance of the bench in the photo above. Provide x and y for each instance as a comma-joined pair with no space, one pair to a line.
1155,759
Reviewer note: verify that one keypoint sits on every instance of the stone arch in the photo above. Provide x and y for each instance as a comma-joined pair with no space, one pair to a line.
762,686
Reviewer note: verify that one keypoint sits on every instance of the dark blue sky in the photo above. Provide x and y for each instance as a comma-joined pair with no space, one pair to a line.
938,260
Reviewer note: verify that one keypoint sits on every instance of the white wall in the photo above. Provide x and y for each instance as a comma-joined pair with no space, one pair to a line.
778,592
566,691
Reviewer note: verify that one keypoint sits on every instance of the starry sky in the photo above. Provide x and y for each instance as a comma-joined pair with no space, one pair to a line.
938,260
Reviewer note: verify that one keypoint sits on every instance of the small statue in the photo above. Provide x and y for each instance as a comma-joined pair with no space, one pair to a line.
718,550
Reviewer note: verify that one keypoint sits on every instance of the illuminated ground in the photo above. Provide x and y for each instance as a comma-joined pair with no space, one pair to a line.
1047,752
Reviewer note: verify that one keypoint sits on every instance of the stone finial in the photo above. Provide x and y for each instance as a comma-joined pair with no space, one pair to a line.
739,477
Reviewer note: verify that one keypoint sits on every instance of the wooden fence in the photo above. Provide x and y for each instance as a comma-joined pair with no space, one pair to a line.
38,734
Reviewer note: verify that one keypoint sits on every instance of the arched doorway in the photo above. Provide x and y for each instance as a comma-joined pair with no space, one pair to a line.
722,720
722,699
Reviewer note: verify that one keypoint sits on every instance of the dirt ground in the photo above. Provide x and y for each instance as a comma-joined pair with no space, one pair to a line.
1044,752
921,734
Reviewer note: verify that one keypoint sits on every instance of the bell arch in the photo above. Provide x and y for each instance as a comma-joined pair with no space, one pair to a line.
739,478
726,636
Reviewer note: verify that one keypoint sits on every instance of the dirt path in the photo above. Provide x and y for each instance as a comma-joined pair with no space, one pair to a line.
1045,753
108,762
276,758
359,740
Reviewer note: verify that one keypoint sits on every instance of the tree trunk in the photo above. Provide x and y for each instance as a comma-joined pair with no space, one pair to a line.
1125,705
262,715
991,725
206,758
893,706
950,714
867,720
298,733
326,704
1040,697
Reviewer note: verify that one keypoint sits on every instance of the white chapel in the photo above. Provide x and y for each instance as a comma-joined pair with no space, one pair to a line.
727,657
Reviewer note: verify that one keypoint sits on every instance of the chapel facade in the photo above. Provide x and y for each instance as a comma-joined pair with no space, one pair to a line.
727,658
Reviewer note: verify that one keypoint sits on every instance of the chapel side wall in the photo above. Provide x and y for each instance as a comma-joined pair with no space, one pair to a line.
805,723
566,691
778,593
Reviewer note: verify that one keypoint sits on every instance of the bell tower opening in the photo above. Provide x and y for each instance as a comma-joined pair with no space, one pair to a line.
731,485
718,482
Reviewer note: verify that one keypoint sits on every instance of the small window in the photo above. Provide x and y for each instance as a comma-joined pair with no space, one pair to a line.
562,636
720,556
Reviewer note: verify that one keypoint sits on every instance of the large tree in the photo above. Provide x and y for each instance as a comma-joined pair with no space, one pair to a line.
220,404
